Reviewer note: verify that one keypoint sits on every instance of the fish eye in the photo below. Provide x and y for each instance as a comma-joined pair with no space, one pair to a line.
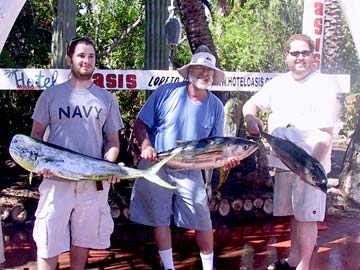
245,147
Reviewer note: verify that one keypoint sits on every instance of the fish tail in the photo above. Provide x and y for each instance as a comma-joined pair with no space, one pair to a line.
30,178
151,172
158,181
157,166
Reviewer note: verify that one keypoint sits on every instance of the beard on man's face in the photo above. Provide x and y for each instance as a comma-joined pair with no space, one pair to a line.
80,74
200,84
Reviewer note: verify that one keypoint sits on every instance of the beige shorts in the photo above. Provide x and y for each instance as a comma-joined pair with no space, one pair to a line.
294,197
71,212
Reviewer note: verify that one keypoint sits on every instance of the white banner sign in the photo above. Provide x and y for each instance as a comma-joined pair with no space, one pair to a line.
313,26
40,79
9,10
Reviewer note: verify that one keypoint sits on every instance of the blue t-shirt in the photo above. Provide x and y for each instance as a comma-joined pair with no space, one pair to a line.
171,116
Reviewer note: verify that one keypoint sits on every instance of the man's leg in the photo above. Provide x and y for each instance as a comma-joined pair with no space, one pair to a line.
293,258
47,264
205,241
2,252
162,236
307,235
78,257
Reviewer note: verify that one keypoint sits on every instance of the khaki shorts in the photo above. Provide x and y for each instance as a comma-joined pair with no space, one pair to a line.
71,210
294,197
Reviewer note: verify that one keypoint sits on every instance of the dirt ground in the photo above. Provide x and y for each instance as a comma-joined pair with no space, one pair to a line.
239,244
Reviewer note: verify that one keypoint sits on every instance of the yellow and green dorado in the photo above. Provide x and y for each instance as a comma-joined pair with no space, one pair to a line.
36,156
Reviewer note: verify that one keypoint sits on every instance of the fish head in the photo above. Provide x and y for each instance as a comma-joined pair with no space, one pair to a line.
319,176
314,173
241,148
322,184
23,152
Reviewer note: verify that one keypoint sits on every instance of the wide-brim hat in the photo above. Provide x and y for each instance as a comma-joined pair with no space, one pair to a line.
203,59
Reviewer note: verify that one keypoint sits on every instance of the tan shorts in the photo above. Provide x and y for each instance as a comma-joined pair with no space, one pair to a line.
294,197
71,210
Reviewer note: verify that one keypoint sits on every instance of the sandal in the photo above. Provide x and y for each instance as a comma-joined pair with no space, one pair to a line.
281,264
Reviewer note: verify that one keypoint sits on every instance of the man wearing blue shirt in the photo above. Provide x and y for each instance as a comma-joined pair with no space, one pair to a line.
175,112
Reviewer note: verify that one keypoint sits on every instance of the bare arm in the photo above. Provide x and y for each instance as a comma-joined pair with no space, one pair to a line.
112,146
322,147
37,130
148,152
253,123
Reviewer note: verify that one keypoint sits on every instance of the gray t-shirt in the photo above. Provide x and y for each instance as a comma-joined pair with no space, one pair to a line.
78,119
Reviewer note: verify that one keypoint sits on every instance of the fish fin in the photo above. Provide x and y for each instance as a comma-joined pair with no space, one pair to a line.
30,177
224,173
208,177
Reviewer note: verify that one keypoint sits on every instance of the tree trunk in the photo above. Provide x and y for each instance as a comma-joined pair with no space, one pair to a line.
332,62
64,30
193,17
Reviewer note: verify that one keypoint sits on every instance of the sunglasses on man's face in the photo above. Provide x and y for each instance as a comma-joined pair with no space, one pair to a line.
297,53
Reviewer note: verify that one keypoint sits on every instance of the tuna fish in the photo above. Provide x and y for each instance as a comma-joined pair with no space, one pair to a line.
208,153
35,156
298,161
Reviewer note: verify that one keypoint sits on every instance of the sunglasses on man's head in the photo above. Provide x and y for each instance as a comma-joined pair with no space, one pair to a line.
297,53
79,38
73,42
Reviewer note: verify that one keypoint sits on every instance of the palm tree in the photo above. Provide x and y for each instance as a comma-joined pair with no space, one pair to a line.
332,61
197,30
333,38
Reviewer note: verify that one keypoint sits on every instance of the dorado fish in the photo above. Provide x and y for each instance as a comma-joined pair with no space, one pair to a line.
233,113
208,153
298,161
35,156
